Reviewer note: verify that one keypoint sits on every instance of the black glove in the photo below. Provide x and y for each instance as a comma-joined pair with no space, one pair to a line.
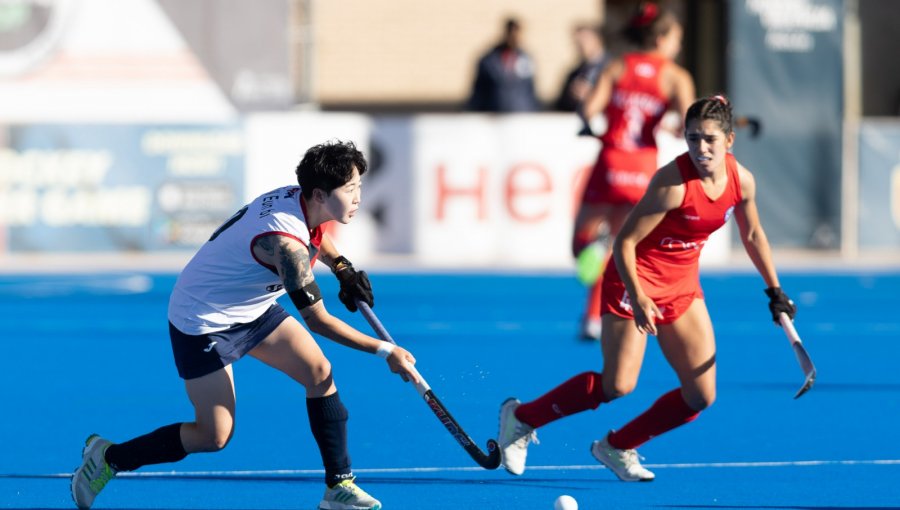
779,302
354,284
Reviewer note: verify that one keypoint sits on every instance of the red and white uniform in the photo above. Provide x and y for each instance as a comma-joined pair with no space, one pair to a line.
224,283
628,157
668,259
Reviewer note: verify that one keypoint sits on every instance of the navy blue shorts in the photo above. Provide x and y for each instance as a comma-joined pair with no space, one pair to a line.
199,355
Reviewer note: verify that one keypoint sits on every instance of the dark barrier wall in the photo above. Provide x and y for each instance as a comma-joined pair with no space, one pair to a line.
784,67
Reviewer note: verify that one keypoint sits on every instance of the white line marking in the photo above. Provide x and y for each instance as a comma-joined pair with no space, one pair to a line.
576,467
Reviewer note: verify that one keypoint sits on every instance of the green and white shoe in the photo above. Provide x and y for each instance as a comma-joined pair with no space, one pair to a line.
93,474
348,496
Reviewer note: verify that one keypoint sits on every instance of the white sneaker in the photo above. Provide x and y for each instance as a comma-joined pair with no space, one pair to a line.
591,329
348,496
624,463
514,437
93,474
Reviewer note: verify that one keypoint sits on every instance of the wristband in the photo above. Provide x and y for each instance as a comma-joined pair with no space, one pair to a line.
384,350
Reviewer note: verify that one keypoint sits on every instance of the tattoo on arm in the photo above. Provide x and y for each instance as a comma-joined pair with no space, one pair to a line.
293,261
327,252
266,244
326,259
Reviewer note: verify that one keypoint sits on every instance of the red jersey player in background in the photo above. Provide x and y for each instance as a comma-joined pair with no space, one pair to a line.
654,288
634,92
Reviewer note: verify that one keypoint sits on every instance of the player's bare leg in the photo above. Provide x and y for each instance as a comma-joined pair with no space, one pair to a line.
623,354
623,349
690,347
214,412
293,351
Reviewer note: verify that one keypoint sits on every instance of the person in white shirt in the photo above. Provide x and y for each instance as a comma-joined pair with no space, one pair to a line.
224,306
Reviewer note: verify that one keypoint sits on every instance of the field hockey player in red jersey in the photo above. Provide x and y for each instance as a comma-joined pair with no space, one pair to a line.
224,307
653,288
634,93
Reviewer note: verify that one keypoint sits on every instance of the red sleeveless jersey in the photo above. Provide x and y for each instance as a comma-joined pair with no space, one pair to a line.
637,104
668,259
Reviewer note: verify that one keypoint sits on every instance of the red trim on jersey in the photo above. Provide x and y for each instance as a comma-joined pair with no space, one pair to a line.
315,234
315,237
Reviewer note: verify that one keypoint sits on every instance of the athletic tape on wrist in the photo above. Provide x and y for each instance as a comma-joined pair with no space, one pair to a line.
384,350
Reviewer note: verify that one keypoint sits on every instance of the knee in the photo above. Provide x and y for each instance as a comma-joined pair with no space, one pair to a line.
215,439
701,400
320,377
618,388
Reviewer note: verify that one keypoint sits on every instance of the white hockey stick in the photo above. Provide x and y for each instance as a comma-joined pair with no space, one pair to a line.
809,370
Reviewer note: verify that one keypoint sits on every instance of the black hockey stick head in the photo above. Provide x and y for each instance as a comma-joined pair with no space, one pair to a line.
492,459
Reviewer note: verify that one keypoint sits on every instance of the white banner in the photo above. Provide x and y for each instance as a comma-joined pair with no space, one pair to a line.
497,191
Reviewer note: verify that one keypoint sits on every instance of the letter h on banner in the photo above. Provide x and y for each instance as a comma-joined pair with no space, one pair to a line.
476,191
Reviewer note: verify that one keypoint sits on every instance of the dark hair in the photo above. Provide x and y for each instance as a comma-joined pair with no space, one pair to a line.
649,22
328,166
716,107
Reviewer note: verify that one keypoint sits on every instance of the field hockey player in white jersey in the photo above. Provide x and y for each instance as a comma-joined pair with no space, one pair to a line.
224,306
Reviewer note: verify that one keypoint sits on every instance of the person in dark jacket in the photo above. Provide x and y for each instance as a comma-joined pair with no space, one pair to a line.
504,80
581,79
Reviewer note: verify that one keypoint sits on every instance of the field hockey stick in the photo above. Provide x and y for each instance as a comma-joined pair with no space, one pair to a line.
753,125
809,370
490,460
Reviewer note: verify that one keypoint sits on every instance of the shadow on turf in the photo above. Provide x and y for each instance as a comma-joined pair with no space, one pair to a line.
556,483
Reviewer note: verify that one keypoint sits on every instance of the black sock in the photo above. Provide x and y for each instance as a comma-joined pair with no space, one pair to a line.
161,445
328,422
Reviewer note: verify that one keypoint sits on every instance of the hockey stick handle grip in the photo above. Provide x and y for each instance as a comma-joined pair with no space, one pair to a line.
789,328
422,386
374,322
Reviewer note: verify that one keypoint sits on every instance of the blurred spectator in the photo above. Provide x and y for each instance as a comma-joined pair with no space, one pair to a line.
580,81
504,80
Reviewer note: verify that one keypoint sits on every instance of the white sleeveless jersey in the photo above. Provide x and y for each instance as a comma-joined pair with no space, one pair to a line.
224,284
